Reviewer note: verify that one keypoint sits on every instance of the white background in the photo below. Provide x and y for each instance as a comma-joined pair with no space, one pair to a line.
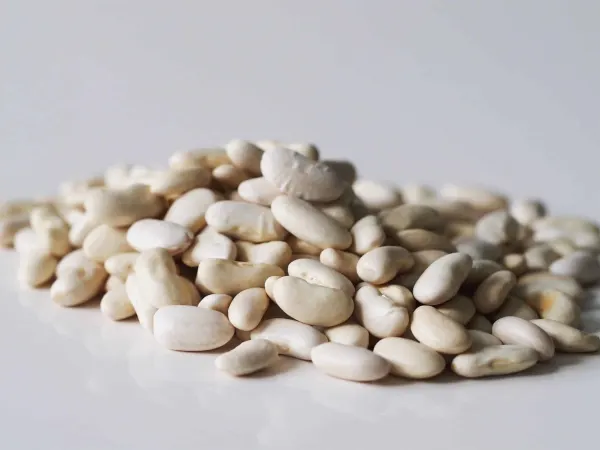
500,93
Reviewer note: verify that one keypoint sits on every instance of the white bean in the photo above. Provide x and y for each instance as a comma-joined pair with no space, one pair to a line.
189,210
151,233
568,339
218,302
244,155
176,182
315,272
344,262
258,190
555,305
442,279
209,244
458,308
581,265
376,196
121,264
382,264
105,241
409,216
277,253
494,360
378,314
116,304
514,330
439,332
36,267
248,357
492,291
349,362
417,240
247,309
348,334
410,359
497,227
220,276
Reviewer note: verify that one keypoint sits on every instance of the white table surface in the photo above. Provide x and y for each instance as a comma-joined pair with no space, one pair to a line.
496,93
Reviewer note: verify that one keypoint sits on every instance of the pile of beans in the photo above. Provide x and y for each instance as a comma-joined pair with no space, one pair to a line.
265,244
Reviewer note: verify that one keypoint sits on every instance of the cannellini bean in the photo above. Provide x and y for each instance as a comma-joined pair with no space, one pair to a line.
349,362
292,338
144,310
244,155
481,339
480,322
442,279
151,233
248,357
310,224
438,331
462,230
514,306
480,270
276,252
492,291
514,330
258,190
116,305
555,305
494,360
479,198
189,210
423,260
344,262
417,240
529,284
190,329
122,207
176,182
497,227
10,226
114,282
220,276
376,196
315,272
478,249
540,257
562,246
458,308
244,221
121,264
410,359
417,193
218,302
516,263
51,229
527,211
204,157
312,304
348,334
378,314
209,244
248,308
405,217
568,339
36,267
78,283
26,239
299,176
300,247
382,264
228,176
367,234
567,223
399,295
269,283
105,241
80,229
581,265
340,213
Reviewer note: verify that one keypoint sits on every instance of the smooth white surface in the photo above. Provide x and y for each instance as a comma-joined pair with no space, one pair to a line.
500,93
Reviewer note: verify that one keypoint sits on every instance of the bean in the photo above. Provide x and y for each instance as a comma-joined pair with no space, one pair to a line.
410,359
438,331
481,339
174,183
417,240
458,308
258,190
514,330
209,244
423,260
217,302
349,362
367,234
442,279
189,210
378,314
315,272
115,304
494,360
277,253
555,305
480,323
376,196
479,198
492,291
248,308
497,227
220,276
527,211
248,357
581,265
348,334
406,217
344,262
514,306
244,155
568,339
382,264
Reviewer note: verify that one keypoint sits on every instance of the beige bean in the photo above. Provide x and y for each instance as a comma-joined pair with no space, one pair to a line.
80,229
189,210
71,261
540,257
248,357
292,338
349,362
555,305
480,198
455,211
144,310
460,230
190,329
562,246
244,155
217,302
114,282
567,223
209,244
514,306
245,221
417,193
516,263
147,234
36,267
478,249
174,183
77,283
121,264
497,227
344,262
581,265
494,360
438,331
442,279
105,241
228,176
481,323
568,339
300,247
258,190
10,226
527,211
491,293
16,208
248,308
410,359
378,314
514,330
417,240
367,235
269,283
382,264
26,240
340,213
73,193
348,334
405,217
308,223
276,252
122,207
115,304
458,308
399,295
299,176
480,270
317,273
220,276
529,284
376,196
312,304
423,260
203,157
481,339
51,229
